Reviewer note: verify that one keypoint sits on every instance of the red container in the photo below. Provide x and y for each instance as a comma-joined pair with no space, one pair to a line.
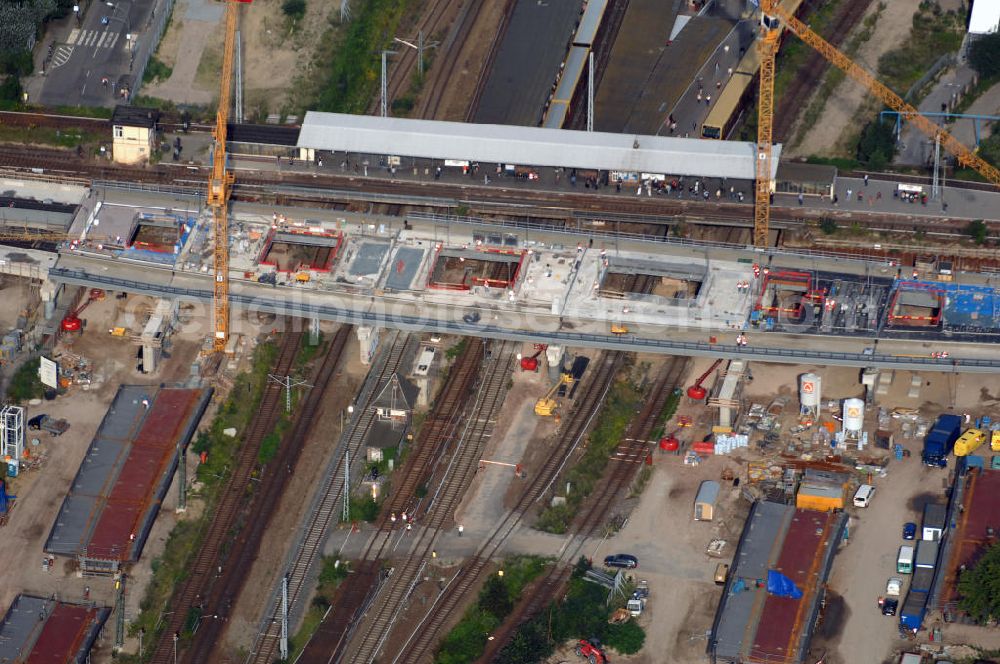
529,363
697,392
670,444
702,447
71,324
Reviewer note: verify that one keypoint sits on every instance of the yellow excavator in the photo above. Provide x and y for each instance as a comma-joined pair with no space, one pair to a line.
547,405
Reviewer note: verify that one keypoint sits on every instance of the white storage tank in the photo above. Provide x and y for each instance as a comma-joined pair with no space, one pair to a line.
810,392
854,417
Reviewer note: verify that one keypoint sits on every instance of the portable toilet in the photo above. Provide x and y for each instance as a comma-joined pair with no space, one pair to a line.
704,502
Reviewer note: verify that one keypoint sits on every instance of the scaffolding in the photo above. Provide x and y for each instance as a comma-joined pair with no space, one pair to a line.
12,436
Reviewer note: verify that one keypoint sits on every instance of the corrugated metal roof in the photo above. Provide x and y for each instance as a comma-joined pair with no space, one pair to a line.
533,146
708,492
822,490
985,17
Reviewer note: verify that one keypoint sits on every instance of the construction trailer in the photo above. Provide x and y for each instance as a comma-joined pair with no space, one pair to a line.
704,502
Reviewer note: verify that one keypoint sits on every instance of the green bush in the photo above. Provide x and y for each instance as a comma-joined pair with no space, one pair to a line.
466,642
828,225
978,231
877,145
627,638
294,9
269,447
984,54
156,71
364,508
25,384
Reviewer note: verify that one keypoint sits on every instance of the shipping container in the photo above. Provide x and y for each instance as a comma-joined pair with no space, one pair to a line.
935,515
914,608
820,497
927,551
923,577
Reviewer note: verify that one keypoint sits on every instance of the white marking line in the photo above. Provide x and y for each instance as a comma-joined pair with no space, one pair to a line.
115,40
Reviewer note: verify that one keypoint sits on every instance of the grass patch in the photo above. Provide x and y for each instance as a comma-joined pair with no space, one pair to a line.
611,425
467,640
63,138
794,52
834,76
156,70
331,575
581,613
668,410
456,350
207,74
935,33
25,383
353,67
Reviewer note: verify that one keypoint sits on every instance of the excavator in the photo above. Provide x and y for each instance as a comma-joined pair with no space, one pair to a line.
547,405
774,17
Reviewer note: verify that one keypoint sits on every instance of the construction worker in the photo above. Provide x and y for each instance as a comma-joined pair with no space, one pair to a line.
461,529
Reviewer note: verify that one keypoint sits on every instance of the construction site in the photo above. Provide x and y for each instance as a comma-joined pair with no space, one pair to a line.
557,347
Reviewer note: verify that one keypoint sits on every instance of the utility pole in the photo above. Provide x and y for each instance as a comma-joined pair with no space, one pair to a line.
935,186
283,643
419,47
181,480
347,467
590,92
288,383
120,610
385,84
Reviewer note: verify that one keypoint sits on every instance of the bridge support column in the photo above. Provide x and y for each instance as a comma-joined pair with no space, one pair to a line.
368,338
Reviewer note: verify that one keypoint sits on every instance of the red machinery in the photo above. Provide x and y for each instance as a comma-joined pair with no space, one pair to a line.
696,391
592,651
71,323
531,363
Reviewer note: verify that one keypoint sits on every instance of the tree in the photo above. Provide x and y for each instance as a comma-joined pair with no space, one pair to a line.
984,54
495,599
529,644
828,225
980,587
978,231
877,145
294,9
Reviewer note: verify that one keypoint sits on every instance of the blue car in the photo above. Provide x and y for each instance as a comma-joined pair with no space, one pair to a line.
909,530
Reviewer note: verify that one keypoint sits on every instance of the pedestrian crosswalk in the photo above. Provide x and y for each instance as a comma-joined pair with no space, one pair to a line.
94,38
62,55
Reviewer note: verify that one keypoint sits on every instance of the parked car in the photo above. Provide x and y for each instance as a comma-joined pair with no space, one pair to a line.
909,530
889,606
622,560
894,587
471,318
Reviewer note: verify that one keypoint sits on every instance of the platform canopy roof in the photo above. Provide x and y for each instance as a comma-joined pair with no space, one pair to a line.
530,146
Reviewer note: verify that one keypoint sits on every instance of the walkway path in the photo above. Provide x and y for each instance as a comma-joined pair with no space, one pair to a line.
916,149
987,104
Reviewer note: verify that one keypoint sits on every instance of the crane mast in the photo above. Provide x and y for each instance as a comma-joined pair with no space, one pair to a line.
219,188
771,11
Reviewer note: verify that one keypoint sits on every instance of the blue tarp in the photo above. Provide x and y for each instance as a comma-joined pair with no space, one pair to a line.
781,586
5,498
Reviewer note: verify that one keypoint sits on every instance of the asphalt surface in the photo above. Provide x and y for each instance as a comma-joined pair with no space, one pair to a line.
527,62
97,47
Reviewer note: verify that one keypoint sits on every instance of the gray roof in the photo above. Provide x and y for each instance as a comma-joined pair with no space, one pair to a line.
708,492
935,514
590,22
927,553
530,146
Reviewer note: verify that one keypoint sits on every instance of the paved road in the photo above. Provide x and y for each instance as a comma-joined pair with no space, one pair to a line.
86,52
987,104
915,148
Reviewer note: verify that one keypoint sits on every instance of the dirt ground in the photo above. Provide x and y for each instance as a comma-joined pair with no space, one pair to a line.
845,106
274,55
40,491
308,474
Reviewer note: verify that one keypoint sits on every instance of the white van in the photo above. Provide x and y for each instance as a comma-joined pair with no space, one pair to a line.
864,495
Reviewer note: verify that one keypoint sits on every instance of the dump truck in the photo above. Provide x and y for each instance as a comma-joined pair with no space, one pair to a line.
940,440
56,427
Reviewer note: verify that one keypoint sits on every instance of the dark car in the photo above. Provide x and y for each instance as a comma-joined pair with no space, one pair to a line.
471,318
889,606
622,560
909,530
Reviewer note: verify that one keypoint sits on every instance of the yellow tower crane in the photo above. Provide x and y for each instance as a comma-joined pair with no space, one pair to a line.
773,15
220,185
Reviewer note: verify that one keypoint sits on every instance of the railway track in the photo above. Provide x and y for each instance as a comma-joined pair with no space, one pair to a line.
267,497
626,460
815,67
434,20
436,431
491,56
421,642
429,104
473,434
202,573
325,509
